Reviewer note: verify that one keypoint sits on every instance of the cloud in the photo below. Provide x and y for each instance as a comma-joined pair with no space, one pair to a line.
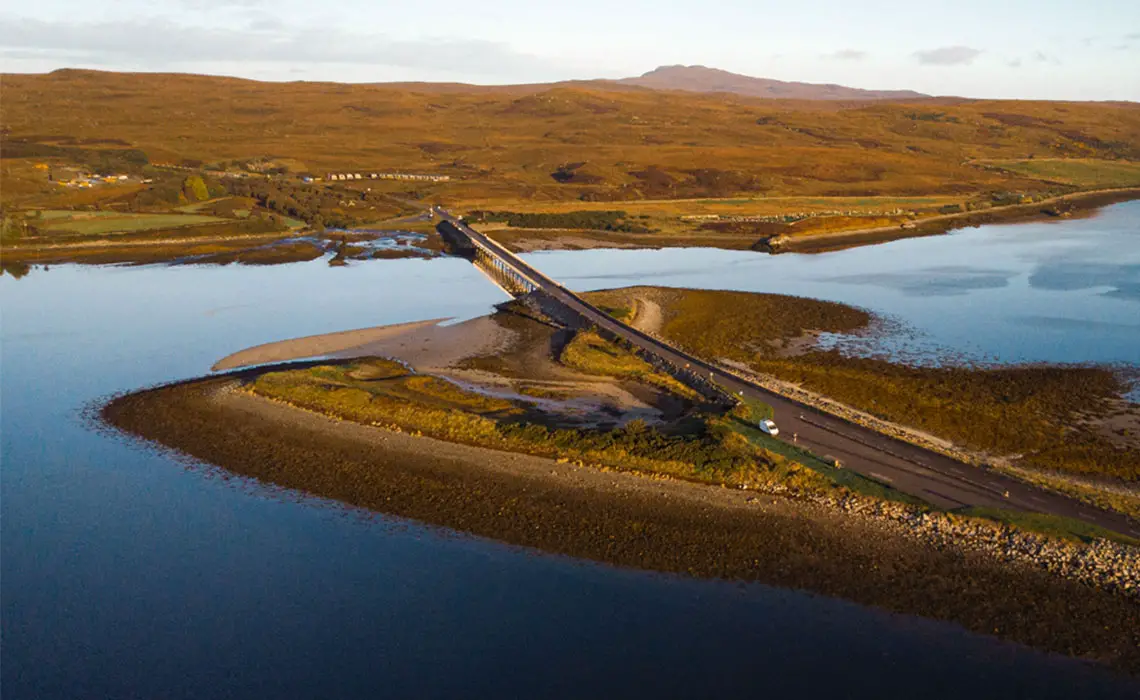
848,55
221,4
156,43
947,56
1014,63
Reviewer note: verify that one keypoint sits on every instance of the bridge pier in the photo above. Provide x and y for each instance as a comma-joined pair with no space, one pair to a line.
502,274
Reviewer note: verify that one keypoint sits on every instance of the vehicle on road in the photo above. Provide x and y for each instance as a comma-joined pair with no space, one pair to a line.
769,427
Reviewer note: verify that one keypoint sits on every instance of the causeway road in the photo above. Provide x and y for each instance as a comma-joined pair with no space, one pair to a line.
925,474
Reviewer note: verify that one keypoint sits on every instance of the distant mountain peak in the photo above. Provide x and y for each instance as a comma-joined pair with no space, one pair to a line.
705,79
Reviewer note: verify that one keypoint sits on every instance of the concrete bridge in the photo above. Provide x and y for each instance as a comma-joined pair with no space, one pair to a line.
929,475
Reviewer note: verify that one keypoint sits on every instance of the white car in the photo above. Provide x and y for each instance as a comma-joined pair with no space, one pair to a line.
769,427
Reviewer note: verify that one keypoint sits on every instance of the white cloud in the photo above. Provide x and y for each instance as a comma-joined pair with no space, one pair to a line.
848,55
948,56
156,43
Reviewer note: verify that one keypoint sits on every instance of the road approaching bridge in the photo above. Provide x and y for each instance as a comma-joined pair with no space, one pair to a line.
929,475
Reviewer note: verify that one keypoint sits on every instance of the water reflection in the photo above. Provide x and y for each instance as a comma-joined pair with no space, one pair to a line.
951,280
993,293
1067,275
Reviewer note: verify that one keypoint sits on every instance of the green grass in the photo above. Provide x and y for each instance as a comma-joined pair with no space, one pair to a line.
754,410
380,392
844,478
736,325
95,223
621,313
590,353
1080,172
1050,525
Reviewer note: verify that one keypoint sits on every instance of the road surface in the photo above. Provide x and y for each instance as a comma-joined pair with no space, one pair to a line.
929,475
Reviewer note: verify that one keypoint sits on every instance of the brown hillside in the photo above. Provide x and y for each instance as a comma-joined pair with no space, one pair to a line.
567,142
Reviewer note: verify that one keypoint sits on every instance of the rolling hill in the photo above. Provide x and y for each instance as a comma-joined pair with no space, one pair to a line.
702,79
564,142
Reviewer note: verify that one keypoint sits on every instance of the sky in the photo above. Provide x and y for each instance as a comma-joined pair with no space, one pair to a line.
1028,49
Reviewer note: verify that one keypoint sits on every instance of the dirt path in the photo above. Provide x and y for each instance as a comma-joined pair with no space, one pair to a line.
649,317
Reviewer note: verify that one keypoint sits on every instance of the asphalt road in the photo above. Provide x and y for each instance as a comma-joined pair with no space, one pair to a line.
928,475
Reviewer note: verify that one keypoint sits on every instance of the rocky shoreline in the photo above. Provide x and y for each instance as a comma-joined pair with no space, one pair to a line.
1102,564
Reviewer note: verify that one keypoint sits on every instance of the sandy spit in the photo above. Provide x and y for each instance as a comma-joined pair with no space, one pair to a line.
318,345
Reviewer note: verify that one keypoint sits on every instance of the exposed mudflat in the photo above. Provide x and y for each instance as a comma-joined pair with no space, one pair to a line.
629,520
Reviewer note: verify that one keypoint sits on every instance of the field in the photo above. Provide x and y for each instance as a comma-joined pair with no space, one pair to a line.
1078,172
98,223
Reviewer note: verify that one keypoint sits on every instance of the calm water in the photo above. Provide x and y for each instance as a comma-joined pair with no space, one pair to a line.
1063,291
128,573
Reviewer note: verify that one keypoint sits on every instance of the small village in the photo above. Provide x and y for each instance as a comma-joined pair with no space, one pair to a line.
384,176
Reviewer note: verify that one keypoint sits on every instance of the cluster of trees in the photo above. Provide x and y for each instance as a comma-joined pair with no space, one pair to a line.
592,220
170,190
317,206
932,117
14,226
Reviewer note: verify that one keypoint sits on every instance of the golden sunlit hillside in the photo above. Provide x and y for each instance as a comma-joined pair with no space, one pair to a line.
563,142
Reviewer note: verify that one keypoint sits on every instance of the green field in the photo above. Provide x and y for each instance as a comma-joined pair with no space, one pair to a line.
1079,172
96,223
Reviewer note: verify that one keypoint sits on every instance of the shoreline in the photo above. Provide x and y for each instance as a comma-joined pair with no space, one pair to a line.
630,520
225,249
1084,204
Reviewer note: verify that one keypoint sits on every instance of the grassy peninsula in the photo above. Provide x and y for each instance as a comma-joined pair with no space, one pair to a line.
519,462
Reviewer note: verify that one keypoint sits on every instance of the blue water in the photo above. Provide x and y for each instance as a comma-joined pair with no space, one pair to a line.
128,572
1052,291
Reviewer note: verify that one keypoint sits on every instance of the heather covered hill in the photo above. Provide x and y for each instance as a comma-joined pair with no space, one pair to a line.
584,141
702,79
